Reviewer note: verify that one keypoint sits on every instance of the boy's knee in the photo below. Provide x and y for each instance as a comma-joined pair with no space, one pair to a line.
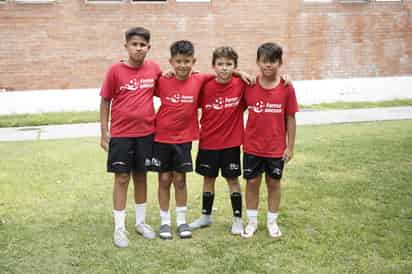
273,185
122,178
180,184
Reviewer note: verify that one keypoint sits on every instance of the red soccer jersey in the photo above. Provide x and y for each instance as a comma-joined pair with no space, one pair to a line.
177,119
265,133
131,93
222,114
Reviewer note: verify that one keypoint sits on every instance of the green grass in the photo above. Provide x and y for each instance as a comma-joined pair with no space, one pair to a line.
350,105
49,118
346,208
93,116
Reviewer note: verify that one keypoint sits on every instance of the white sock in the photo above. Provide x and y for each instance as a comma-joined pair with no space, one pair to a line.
252,215
165,217
119,219
181,215
272,217
140,213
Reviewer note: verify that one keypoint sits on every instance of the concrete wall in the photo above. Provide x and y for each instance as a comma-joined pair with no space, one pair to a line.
307,91
70,44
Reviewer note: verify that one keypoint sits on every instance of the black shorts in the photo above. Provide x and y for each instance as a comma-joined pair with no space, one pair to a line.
127,154
253,166
172,157
208,162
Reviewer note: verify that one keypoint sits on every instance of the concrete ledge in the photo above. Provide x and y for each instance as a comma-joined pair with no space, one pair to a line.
308,92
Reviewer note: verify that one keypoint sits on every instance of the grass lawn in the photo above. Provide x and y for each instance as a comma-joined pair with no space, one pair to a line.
346,208
93,116
350,105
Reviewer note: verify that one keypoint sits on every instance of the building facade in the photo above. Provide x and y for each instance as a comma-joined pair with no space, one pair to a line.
68,44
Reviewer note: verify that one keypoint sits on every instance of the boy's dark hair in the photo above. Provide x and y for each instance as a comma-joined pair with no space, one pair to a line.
227,52
137,31
183,47
271,52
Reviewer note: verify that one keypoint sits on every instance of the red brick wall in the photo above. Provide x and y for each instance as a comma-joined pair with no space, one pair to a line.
70,44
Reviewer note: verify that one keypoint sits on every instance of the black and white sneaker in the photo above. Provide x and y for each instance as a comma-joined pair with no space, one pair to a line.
184,231
165,232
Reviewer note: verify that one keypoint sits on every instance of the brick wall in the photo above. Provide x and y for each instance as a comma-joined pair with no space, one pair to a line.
70,44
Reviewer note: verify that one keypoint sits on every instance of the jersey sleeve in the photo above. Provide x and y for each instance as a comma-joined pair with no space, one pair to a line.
109,85
292,103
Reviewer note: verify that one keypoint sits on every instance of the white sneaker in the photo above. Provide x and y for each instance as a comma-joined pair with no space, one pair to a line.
249,230
203,221
274,230
145,230
237,226
120,237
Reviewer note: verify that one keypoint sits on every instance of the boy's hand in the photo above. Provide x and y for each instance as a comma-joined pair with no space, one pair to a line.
287,155
168,73
247,78
287,79
104,141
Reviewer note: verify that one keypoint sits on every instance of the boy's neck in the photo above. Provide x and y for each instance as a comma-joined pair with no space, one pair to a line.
182,78
269,82
223,81
133,64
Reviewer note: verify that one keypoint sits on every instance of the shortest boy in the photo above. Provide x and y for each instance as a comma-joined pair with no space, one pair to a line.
269,136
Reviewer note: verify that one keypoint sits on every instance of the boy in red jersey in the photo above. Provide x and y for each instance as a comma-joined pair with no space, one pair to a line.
127,96
221,136
269,137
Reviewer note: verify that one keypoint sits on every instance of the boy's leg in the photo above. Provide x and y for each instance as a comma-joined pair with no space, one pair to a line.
274,170
207,203
207,165
179,182
236,200
182,163
165,181
162,163
253,168
230,165
121,183
120,162
140,193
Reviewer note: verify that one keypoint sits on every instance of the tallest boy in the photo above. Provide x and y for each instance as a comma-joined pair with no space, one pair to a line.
127,94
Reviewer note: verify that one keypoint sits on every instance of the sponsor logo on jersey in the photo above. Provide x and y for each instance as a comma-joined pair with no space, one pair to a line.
222,103
178,98
261,106
135,84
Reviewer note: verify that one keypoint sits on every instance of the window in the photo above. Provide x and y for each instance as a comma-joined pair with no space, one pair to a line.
318,1
135,1
104,1
193,1
34,1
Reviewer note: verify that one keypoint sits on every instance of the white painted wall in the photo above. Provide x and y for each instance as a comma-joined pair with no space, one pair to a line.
308,92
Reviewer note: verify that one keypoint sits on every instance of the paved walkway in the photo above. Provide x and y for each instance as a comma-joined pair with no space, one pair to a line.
305,117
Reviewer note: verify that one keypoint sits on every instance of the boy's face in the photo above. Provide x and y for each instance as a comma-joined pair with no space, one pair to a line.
268,68
137,48
182,65
224,68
